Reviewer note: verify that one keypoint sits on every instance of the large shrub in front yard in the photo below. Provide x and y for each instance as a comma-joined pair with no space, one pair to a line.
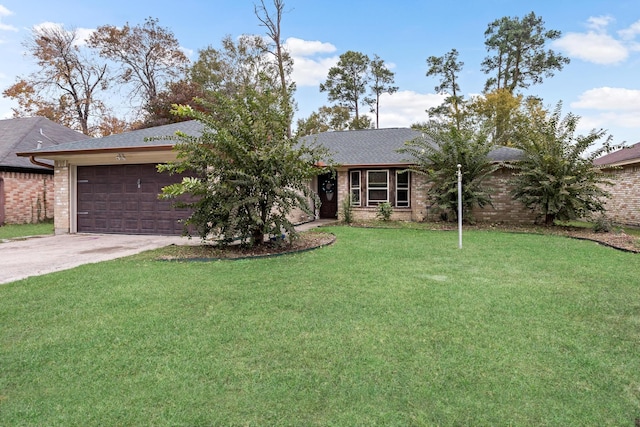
437,155
557,177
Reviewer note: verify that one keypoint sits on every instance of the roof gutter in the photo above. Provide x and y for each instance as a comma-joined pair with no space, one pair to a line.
33,160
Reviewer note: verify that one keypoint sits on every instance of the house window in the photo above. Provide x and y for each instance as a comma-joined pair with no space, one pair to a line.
377,187
402,189
355,188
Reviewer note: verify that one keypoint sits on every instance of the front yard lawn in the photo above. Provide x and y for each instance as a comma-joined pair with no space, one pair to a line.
12,231
384,327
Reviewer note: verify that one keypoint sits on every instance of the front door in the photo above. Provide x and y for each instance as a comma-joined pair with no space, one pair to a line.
328,192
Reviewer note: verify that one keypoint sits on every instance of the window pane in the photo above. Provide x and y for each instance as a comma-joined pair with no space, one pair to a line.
377,195
403,180
402,198
355,197
378,179
355,179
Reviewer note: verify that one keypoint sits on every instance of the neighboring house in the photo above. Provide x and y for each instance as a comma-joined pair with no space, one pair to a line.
623,207
26,188
110,184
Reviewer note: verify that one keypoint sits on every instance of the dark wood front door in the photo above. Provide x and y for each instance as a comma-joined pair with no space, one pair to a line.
328,192
123,199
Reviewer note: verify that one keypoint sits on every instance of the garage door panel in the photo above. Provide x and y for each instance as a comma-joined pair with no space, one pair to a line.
124,199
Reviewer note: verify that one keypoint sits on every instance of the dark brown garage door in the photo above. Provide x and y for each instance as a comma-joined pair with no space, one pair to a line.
124,199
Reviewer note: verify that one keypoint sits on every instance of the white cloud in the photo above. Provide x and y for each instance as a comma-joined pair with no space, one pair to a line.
593,47
610,108
631,32
599,23
597,45
609,98
3,13
82,34
299,47
406,107
310,66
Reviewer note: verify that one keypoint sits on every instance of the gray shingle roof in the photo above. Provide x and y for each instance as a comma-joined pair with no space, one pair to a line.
354,147
23,134
505,154
366,146
380,146
129,140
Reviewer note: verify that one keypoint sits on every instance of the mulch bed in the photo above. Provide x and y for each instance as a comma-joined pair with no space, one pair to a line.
304,242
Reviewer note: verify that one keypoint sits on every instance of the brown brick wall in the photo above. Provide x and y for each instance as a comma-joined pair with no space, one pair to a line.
505,210
27,197
623,207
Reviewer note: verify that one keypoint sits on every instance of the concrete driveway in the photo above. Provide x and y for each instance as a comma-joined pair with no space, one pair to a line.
40,255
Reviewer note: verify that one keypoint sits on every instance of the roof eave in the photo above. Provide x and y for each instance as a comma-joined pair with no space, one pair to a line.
58,154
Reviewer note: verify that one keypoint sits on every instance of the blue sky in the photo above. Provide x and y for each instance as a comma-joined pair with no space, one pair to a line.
602,38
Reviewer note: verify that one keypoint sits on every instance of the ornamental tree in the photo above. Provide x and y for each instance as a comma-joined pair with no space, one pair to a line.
437,155
557,176
245,174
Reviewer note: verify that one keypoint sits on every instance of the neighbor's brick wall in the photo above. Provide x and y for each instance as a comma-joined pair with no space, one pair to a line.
27,197
61,220
623,207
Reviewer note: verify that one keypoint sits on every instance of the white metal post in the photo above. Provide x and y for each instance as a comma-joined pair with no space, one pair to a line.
459,207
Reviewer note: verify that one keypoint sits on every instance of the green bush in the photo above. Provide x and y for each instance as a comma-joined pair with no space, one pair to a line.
384,211
347,211
602,224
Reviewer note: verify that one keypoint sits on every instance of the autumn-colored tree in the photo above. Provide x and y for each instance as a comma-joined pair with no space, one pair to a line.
66,85
183,92
149,55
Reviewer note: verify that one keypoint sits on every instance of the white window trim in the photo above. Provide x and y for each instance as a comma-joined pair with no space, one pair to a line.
377,188
408,188
357,186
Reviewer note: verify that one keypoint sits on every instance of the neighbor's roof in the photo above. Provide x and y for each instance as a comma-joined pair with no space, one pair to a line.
623,156
142,138
24,134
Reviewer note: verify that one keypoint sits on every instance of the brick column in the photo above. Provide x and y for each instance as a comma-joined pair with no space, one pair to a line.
61,215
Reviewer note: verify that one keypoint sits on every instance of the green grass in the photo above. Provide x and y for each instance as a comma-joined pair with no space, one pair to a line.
385,327
12,231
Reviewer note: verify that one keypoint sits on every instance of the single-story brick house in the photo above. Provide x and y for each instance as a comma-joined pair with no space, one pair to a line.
373,171
110,184
623,166
26,188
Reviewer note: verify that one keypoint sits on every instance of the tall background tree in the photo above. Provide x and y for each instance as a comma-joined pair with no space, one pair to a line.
347,82
334,118
448,67
149,56
67,84
382,80
272,21
518,55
